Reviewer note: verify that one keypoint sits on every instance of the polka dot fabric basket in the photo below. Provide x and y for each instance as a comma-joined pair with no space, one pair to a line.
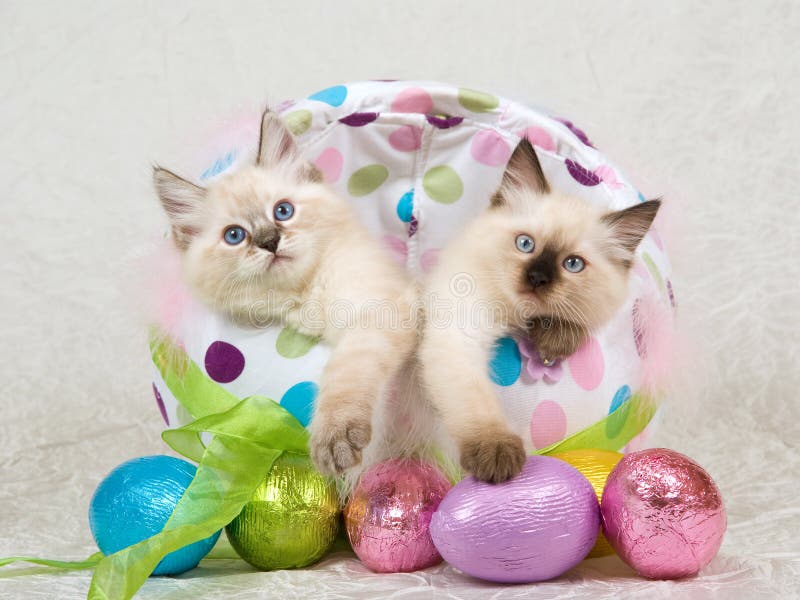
417,161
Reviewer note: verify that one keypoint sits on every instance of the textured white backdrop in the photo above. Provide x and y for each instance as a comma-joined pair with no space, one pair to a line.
695,101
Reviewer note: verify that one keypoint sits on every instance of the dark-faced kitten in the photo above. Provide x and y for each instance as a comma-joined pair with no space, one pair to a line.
547,265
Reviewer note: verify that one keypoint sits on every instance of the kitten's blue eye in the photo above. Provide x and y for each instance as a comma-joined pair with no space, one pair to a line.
574,264
525,243
234,235
283,210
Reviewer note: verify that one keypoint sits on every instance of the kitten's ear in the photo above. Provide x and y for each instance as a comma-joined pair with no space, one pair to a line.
523,172
183,203
276,144
629,226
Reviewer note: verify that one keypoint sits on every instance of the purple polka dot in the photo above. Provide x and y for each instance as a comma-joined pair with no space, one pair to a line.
412,226
160,402
575,130
359,119
224,362
444,122
581,174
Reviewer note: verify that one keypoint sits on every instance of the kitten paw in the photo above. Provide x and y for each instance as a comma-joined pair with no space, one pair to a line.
495,456
337,446
557,339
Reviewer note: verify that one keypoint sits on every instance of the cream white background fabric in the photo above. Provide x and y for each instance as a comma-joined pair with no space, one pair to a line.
694,101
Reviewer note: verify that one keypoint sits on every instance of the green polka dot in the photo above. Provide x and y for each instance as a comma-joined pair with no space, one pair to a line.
651,266
293,344
477,101
298,121
367,179
443,184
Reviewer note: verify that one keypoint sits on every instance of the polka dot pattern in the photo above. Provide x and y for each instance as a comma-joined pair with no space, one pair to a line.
587,366
476,101
293,344
330,162
298,121
443,184
490,148
224,362
618,412
405,206
406,138
506,363
335,96
299,400
581,174
367,179
539,137
548,424
443,121
359,119
429,259
413,100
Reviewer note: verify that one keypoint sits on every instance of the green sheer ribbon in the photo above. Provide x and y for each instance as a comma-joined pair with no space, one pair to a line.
247,437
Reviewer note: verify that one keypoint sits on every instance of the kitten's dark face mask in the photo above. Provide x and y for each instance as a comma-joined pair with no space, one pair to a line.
566,262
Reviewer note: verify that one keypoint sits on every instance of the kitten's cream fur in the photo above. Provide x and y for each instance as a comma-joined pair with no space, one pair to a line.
320,272
484,275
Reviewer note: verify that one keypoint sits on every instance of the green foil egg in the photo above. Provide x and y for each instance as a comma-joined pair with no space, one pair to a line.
291,520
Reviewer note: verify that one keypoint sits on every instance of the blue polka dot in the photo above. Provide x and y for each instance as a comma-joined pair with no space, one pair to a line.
641,197
506,364
299,400
405,206
333,95
618,412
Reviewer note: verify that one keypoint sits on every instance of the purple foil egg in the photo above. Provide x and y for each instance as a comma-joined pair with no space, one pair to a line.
532,528
389,513
663,514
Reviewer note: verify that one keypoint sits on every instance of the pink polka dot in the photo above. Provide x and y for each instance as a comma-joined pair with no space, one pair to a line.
429,259
587,365
397,248
489,148
539,137
608,176
330,163
413,100
548,424
406,138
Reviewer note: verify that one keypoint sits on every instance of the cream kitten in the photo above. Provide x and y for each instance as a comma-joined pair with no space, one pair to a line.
271,243
536,263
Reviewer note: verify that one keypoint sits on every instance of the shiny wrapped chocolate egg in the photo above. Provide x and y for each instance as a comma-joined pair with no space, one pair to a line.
136,500
531,528
388,515
663,514
291,520
596,466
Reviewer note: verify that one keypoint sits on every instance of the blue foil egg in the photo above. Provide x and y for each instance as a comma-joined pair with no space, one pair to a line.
135,501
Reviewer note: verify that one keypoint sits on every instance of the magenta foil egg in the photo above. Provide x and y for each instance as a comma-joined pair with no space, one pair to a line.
389,513
532,528
663,514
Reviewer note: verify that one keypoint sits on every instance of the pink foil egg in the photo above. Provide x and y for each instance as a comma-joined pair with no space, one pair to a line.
663,514
389,513
531,528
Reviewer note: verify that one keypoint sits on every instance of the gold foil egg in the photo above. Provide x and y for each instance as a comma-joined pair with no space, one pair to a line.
596,466
291,520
